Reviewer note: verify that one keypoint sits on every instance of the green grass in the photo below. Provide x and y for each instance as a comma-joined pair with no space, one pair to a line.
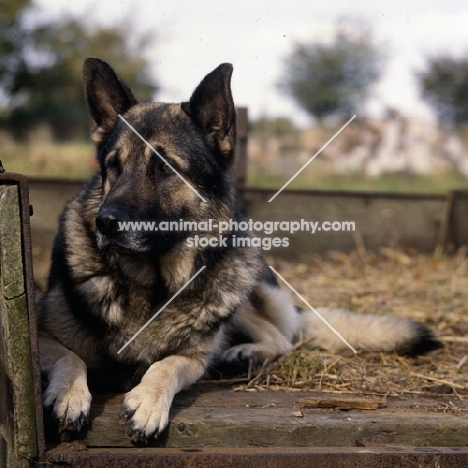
77,161
318,178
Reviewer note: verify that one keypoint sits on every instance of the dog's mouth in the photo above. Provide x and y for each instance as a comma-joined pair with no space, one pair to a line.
117,232
110,236
107,243
128,243
120,249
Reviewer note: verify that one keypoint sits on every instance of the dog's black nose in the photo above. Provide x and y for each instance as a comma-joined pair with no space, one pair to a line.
109,220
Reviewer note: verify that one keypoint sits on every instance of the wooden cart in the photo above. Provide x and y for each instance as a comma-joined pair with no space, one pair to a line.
210,425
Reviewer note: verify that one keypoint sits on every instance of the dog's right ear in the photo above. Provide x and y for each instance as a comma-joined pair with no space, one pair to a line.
107,96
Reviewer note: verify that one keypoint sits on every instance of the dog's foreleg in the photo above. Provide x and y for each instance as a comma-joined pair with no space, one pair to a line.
67,393
271,324
267,341
145,411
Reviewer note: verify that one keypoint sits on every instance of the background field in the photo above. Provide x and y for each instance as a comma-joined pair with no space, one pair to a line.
75,160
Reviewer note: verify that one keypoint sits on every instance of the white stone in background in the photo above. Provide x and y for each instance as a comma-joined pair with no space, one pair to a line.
395,145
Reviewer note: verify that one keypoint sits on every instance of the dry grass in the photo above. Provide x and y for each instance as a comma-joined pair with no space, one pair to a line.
44,158
421,287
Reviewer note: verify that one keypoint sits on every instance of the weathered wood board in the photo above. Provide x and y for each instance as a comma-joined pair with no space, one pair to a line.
17,403
213,416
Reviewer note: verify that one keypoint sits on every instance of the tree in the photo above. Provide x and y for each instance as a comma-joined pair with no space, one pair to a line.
277,126
10,21
45,86
333,79
445,88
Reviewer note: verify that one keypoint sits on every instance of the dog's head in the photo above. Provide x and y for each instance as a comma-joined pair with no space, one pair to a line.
158,161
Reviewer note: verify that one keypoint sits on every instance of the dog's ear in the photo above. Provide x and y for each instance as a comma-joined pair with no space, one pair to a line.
212,108
107,96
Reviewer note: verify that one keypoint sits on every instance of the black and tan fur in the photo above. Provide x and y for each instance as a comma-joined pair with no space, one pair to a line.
105,284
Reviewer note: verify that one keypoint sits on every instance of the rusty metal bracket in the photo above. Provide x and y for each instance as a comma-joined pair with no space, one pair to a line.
323,457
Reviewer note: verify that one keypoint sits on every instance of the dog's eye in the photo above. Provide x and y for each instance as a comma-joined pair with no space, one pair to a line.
161,163
165,168
114,166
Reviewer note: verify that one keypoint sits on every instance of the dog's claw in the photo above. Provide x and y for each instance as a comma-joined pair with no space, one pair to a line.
126,413
83,419
66,427
240,355
137,436
73,425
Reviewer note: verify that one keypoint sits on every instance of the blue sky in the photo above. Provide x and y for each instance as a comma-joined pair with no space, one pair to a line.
193,37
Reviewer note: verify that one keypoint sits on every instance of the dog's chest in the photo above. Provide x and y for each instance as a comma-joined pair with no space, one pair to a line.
144,327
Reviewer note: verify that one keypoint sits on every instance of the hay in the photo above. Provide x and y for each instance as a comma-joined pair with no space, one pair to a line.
429,289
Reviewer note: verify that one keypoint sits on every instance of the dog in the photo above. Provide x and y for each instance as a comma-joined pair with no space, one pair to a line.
214,304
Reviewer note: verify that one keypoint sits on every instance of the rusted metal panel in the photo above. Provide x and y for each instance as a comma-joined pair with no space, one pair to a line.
459,218
48,198
380,219
21,408
402,457
406,220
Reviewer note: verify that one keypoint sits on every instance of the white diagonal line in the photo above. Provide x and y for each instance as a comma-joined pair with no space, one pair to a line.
312,158
161,309
315,312
163,159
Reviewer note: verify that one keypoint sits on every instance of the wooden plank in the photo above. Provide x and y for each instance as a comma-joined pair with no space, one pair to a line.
344,402
18,422
208,416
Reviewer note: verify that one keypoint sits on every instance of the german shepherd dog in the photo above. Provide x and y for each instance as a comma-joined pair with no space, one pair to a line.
106,283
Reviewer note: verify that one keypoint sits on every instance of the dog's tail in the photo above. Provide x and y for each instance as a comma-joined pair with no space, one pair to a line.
370,332
366,331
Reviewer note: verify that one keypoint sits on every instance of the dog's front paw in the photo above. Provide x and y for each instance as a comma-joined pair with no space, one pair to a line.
69,404
260,352
241,354
144,413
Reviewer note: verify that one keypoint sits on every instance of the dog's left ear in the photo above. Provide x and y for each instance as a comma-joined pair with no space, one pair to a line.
212,108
